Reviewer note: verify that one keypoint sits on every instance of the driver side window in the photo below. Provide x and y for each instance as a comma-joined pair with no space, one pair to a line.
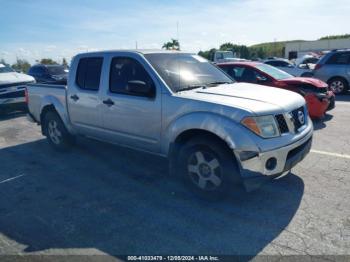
124,71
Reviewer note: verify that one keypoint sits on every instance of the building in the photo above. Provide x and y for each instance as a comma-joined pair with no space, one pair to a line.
298,49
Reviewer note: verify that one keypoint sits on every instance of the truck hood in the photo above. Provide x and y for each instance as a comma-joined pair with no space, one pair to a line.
13,77
305,80
251,97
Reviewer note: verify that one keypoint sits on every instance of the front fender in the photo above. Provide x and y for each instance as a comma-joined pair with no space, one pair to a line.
235,135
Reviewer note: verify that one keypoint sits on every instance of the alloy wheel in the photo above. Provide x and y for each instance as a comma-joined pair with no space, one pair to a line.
337,86
54,132
204,170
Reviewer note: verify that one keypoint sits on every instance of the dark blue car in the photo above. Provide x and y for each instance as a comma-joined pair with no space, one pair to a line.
49,74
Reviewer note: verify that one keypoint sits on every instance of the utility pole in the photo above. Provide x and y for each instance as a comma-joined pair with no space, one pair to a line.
136,45
177,33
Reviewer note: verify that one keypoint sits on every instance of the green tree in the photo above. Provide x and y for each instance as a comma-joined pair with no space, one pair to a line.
241,51
172,45
21,65
208,54
2,61
329,37
228,46
48,61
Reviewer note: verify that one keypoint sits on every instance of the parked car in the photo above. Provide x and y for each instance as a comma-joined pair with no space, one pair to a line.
180,106
50,74
288,67
12,88
226,56
319,99
307,62
334,68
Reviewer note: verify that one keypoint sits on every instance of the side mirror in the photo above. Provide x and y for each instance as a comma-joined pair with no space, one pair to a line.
140,88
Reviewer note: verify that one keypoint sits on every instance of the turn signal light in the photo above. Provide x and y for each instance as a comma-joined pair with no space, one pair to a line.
251,124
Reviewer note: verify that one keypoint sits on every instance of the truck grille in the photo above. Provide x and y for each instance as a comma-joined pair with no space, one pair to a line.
15,84
282,124
298,118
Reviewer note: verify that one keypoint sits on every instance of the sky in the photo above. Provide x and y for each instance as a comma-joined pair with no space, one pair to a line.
34,29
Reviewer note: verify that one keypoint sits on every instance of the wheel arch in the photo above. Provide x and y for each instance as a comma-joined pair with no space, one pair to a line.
51,103
187,135
340,77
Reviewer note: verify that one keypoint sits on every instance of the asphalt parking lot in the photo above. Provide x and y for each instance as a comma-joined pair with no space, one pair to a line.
102,199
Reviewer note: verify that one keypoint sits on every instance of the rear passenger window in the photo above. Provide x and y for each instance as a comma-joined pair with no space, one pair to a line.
89,73
339,59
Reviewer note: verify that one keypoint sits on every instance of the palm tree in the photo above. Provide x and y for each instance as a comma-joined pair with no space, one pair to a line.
172,45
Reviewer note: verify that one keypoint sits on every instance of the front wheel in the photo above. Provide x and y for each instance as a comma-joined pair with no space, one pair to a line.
56,132
207,165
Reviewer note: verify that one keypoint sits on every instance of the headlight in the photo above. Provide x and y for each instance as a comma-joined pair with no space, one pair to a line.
264,126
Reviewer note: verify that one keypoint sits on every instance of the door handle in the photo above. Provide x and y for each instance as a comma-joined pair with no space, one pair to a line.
108,102
74,97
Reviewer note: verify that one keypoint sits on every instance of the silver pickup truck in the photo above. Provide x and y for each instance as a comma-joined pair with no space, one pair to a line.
178,105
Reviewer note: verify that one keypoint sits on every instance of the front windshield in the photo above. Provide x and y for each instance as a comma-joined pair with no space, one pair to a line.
181,71
56,70
6,69
273,71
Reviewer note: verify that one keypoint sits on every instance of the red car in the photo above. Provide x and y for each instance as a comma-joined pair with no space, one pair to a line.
318,97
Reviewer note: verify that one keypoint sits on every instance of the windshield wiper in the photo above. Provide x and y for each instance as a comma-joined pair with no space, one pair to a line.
190,87
218,83
206,85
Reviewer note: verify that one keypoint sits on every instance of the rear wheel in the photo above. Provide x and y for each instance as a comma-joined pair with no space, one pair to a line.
206,166
56,132
338,85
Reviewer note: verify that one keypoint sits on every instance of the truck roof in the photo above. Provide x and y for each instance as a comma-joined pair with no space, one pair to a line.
139,51
248,63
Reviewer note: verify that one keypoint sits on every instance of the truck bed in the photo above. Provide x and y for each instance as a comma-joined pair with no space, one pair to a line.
41,94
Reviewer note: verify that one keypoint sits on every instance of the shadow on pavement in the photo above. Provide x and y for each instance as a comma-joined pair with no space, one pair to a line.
9,114
322,123
343,98
122,202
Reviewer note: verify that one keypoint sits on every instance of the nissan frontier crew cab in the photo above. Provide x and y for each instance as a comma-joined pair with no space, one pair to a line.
178,105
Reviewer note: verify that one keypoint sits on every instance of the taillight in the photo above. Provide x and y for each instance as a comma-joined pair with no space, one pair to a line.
318,66
26,95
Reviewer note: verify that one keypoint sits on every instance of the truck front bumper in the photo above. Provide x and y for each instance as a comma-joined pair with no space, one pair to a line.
257,167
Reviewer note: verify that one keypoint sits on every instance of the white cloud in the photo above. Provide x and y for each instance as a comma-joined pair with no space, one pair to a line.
202,25
50,48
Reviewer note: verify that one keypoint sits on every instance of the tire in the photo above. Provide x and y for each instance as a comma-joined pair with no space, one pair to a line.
207,167
56,133
338,85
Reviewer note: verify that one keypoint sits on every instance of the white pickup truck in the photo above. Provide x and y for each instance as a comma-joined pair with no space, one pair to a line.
12,87
178,105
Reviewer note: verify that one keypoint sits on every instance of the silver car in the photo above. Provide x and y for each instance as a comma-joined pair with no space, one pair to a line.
334,68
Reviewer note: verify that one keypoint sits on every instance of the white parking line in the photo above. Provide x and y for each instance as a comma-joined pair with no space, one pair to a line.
342,103
330,154
11,178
